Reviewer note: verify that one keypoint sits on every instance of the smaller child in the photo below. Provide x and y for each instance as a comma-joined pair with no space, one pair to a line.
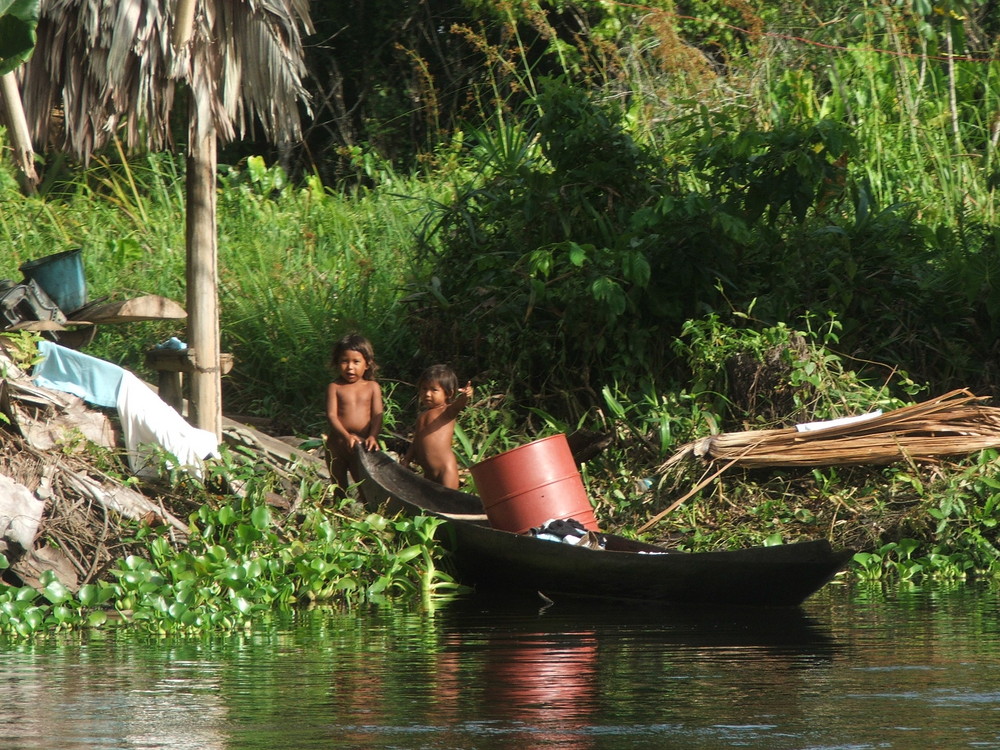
439,405
353,405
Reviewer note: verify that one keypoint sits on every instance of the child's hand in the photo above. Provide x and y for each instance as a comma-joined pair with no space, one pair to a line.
371,443
466,391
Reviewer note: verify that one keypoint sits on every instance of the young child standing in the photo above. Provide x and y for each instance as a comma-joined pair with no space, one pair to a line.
439,408
353,404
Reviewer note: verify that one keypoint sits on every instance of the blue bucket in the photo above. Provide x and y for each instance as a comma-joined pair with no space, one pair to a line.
61,276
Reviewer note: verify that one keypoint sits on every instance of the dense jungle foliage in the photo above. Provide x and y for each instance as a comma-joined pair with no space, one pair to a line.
651,221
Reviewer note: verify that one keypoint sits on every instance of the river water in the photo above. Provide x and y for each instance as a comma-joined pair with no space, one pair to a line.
853,668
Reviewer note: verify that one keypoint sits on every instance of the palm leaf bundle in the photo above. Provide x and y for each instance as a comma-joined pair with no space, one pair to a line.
954,424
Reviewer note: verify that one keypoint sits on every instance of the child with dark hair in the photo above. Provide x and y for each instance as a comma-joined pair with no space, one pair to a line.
353,404
440,402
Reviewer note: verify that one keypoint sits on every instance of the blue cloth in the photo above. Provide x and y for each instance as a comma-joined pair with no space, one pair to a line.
94,380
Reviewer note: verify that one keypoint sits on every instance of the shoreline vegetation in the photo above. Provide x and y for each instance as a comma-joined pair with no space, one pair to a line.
649,235
263,530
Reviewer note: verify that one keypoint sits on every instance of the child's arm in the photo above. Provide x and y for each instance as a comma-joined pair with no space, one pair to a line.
451,410
378,411
413,449
407,458
461,400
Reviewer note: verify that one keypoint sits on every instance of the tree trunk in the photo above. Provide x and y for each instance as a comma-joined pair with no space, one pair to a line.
20,138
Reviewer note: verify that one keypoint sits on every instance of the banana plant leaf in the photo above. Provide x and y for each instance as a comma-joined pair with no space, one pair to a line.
18,19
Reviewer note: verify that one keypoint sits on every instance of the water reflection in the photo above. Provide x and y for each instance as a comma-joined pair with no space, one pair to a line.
91,689
543,681
552,674
852,669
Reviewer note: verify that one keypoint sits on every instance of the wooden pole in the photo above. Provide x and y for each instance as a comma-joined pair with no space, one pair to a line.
202,269
20,137
184,23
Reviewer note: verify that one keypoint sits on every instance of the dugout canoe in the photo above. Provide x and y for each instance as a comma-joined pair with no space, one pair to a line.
493,560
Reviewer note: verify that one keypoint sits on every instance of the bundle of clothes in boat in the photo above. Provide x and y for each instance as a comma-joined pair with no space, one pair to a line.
568,531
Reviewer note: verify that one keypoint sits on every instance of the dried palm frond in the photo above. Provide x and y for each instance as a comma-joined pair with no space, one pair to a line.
953,424
110,66
956,423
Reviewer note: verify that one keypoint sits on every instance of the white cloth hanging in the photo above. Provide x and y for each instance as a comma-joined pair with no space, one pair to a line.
149,424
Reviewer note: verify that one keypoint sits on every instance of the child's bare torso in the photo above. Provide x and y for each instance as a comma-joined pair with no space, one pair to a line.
432,440
355,404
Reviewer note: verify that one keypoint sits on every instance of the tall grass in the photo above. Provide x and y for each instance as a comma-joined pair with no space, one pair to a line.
300,265
127,219
921,108
298,268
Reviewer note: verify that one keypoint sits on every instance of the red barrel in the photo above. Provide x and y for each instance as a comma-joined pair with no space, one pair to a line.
531,484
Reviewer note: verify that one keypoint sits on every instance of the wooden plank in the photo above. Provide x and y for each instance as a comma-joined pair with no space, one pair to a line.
149,307
36,325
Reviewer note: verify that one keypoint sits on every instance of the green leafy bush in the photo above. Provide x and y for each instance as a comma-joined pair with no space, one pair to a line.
240,564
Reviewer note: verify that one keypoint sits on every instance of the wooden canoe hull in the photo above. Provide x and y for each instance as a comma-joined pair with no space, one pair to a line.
494,560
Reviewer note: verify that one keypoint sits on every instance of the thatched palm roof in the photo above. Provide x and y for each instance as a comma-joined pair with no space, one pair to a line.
110,63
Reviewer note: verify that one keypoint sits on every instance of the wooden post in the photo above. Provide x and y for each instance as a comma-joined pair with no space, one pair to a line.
184,23
202,268
20,138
